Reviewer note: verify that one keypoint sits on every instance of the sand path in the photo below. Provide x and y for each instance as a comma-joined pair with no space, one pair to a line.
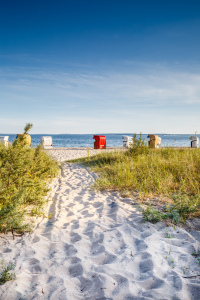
95,246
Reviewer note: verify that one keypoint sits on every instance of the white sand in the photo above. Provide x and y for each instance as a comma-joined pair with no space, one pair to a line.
95,246
63,154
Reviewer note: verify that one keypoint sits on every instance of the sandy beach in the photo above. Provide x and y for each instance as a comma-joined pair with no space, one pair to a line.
95,245
62,154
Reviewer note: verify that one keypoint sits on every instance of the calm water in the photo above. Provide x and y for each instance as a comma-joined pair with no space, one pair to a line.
113,140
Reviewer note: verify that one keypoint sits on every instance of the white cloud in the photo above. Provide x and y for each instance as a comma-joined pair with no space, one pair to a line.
88,102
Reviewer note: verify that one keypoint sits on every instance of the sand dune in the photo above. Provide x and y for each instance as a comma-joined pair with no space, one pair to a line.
96,246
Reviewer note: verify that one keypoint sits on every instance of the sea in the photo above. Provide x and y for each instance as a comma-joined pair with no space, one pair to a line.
112,139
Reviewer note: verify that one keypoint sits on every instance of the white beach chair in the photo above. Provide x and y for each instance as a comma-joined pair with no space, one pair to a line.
194,141
46,142
128,141
4,140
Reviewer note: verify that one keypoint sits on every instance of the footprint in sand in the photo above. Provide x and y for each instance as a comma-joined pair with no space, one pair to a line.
7,250
152,283
75,237
75,226
93,286
97,249
75,260
97,204
76,270
146,265
175,280
121,282
104,259
70,214
65,225
69,249
140,245
87,214
36,239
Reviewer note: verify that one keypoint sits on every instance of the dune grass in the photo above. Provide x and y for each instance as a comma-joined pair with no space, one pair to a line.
172,175
24,172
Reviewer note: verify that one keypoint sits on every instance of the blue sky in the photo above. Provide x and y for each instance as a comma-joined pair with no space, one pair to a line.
100,66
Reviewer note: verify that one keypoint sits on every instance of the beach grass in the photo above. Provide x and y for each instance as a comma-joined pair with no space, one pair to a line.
24,172
169,174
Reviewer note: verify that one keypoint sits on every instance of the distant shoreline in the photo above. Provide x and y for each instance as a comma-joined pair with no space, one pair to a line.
82,148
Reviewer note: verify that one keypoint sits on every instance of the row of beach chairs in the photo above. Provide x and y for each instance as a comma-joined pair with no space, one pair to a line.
46,141
100,141
155,141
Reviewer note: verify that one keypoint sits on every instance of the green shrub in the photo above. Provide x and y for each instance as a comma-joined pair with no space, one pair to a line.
152,215
138,147
5,274
23,182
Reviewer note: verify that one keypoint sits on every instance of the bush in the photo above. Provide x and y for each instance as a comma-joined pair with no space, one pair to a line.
5,275
23,182
138,147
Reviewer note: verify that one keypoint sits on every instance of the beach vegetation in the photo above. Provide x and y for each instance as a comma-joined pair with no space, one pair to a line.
5,274
168,234
166,181
169,259
184,269
197,255
24,174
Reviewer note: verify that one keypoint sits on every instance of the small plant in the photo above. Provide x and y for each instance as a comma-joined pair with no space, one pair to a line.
37,211
5,274
168,235
138,147
172,214
170,259
152,215
169,253
196,254
184,269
